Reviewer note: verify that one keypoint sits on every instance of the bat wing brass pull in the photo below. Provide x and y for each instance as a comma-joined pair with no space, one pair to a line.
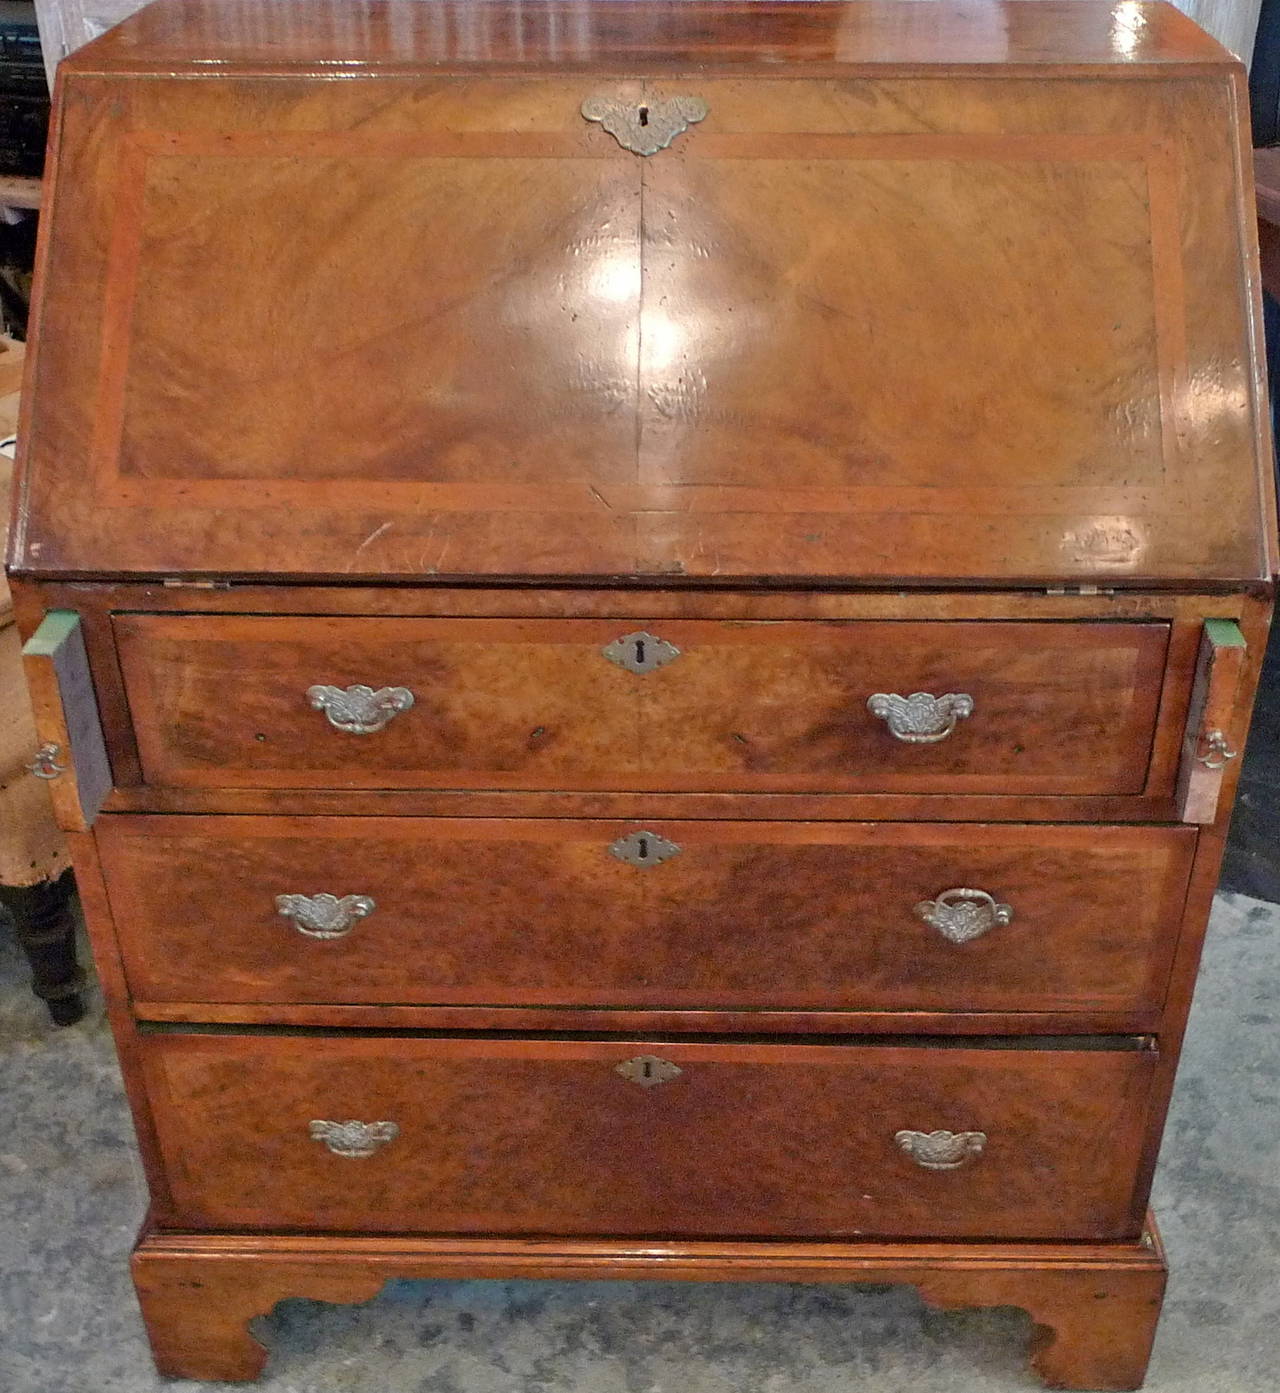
941,1150
646,126
920,719
324,916
351,1138
359,710
962,914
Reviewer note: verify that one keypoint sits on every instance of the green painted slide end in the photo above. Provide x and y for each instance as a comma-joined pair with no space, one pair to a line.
1225,633
55,629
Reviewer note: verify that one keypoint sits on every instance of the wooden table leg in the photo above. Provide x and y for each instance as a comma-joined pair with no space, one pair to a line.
47,933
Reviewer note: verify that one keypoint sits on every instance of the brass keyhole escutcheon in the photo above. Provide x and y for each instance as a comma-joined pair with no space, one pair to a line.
643,849
648,128
648,1070
640,652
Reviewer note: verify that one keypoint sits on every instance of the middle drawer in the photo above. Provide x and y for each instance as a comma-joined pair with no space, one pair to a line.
870,916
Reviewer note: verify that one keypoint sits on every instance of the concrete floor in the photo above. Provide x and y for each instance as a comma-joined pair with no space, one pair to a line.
71,1197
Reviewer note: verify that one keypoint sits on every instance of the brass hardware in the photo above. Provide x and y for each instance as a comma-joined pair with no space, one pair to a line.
640,652
648,1070
45,765
920,719
962,914
941,1150
1217,750
352,1138
57,659
643,849
646,126
324,916
359,710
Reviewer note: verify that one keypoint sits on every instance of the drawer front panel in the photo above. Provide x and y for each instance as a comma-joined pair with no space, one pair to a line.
478,911
1014,707
529,1136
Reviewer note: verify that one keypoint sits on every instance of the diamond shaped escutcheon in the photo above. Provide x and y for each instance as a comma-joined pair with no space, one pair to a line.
643,849
641,652
648,1070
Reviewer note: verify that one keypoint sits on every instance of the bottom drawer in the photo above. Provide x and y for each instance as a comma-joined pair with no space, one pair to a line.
686,1138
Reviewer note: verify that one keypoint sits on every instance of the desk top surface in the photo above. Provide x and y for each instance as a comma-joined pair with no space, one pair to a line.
647,35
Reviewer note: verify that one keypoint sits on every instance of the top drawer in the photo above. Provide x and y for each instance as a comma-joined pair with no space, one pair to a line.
1010,707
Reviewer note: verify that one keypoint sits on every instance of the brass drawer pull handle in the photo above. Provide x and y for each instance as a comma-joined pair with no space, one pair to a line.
359,710
648,1070
1215,754
45,765
920,719
941,1150
641,652
643,849
325,916
962,914
646,126
352,1138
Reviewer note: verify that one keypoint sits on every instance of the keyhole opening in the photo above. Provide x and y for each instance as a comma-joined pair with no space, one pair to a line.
639,652
644,115
642,849
647,1068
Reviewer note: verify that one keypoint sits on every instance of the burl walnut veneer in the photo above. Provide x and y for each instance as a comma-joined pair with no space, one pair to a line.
643,614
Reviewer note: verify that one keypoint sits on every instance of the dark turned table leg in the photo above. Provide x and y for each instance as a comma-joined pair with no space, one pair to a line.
47,932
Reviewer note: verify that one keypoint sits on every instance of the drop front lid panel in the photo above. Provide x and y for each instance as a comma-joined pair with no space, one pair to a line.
848,325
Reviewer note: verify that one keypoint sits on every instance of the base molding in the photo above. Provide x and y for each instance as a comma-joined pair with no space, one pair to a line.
1095,1306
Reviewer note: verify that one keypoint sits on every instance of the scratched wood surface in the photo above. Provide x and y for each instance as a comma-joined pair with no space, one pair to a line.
788,346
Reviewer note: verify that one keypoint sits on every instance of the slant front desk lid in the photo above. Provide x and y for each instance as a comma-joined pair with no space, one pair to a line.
867,293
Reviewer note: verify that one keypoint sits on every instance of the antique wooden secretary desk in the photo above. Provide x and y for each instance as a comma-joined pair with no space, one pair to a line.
642,614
